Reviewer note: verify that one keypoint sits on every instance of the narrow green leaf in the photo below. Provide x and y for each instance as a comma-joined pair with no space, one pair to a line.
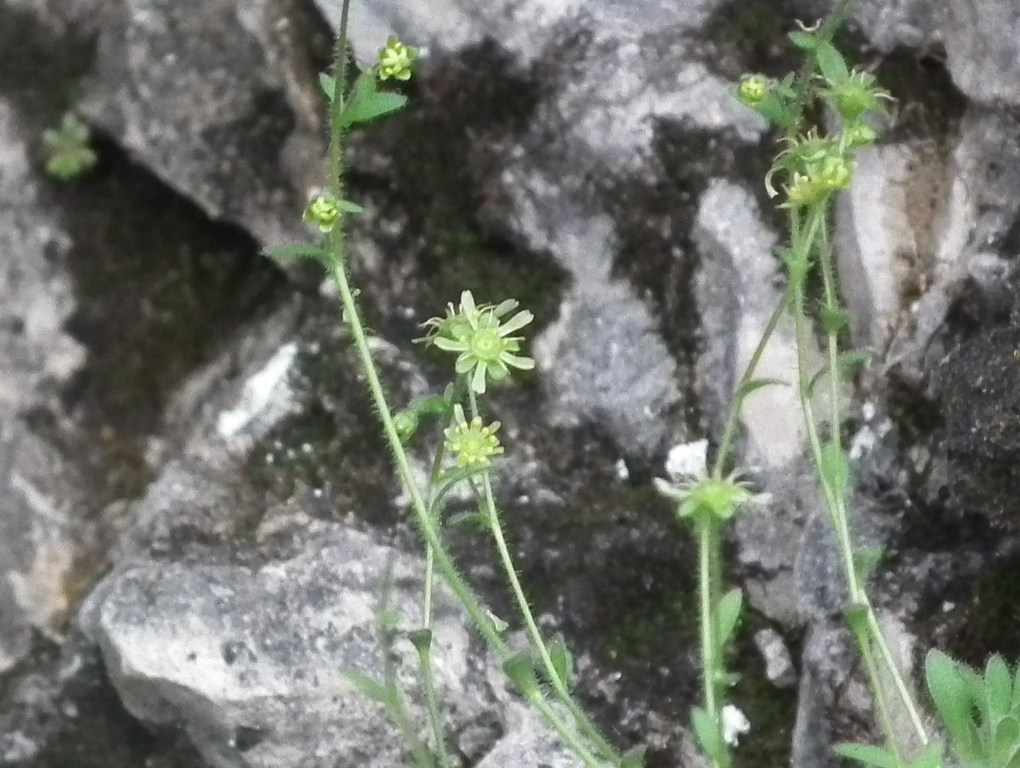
753,385
804,40
931,757
366,103
449,480
328,85
562,662
348,207
953,701
708,736
998,688
1005,740
867,560
831,63
521,671
847,363
835,469
286,254
370,688
727,615
633,758
880,757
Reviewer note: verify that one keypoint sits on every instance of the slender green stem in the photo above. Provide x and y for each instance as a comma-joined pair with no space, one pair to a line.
840,514
558,684
864,644
432,702
569,737
726,444
708,552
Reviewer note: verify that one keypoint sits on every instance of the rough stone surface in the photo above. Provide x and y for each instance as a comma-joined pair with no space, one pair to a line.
983,46
40,503
253,661
219,102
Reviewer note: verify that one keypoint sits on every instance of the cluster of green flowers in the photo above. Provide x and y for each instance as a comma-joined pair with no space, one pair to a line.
814,166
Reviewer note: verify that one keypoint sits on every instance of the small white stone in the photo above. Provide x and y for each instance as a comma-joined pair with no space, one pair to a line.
687,460
622,473
734,724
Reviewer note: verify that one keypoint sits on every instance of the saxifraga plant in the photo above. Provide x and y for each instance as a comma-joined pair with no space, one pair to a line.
981,713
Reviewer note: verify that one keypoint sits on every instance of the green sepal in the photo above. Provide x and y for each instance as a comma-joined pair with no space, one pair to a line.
367,103
707,733
521,670
727,615
288,254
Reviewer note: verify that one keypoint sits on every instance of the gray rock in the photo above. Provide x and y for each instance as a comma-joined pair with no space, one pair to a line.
40,498
778,663
983,46
528,744
216,98
252,662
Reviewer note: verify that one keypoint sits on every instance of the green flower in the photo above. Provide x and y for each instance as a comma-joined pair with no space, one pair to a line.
701,497
323,211
473,443
856,96
486,349
859,135
753,89
395,60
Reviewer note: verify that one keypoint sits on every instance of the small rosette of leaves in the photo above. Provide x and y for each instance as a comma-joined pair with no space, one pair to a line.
981,712
68,154
483,341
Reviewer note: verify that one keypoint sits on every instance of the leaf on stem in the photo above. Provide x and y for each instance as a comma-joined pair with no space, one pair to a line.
520,668
288,254
707,733
835,469
880,757
831,63
367,103
371,688
847,362
633,758
753,385
561,659
727,615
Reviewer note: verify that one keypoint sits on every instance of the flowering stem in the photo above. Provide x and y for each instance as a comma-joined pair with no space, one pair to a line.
803,244
558,684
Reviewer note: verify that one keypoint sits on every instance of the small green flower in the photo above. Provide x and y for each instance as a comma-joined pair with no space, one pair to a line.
700,496
753,89
859,135
473,443
395,60
485,347
856,96
323,211
833,173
